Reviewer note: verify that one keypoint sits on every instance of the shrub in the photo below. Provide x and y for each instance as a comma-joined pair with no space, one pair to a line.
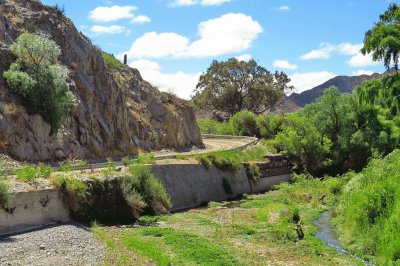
210,126
66,166
253,172
30,172
111,62
205,161
39,80
269,125
225,163
110,169
71,184
5,193
146,158
244,123
127,161
142,190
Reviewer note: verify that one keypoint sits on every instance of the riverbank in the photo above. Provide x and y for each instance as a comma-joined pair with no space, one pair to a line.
257,230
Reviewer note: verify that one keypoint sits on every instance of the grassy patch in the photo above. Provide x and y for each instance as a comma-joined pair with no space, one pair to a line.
30,172
258,231
111,62
371,203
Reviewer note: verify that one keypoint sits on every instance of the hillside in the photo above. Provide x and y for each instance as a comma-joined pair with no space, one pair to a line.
118,113
295,101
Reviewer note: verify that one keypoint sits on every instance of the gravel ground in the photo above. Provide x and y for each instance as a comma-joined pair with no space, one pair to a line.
66,244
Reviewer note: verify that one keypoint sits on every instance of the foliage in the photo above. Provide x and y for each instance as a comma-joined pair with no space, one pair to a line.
383,40
110,169
39,80
30,172
269,125
254,172
5,193
71,184
244,123
146,158
306,147
210,126
66,166
127,161
368,214
234,85
111,62
143,191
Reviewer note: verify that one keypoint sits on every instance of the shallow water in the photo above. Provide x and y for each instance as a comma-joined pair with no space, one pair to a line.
327,234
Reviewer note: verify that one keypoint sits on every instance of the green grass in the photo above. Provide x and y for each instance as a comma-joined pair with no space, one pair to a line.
368,216
30,172
146,158
187,248
111,61
258,232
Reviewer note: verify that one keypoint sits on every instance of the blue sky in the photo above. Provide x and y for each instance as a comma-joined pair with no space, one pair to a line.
172,42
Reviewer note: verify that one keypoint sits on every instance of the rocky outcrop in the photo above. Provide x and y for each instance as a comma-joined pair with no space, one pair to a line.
118,113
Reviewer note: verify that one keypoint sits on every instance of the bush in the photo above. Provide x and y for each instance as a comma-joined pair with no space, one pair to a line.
72,185
244,123
210,126
253,172
30,172
5,194
144,192
39,80
146,158
269,125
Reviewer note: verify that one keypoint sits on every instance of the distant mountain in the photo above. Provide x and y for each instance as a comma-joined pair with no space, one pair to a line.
345,84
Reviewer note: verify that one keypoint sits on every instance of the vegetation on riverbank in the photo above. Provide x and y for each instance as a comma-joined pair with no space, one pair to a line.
258,230
368,216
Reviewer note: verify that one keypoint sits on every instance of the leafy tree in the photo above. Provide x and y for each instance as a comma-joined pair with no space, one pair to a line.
39,80
383,40
244,123
307,148
234,85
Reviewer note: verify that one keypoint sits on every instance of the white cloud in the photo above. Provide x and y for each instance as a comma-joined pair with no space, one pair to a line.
158,45
349,49
244,57
198,2
362,72
113,29
112,13
360,60
284,64
230,33
306,81
140,19
183,84
323,53
284,8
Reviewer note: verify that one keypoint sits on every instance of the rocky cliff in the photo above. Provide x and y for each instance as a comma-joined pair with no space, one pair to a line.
118,113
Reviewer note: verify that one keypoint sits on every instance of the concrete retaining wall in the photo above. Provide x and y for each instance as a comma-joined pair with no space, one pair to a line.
189,186
33,208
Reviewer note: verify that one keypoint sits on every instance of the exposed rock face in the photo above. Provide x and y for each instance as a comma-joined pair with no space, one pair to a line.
118,113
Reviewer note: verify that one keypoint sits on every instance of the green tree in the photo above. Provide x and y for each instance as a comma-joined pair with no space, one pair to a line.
39,80
234,85
383,40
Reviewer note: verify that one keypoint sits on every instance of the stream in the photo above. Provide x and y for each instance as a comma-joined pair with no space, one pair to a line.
328,235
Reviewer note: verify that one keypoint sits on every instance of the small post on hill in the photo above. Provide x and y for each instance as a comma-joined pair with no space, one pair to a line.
125,59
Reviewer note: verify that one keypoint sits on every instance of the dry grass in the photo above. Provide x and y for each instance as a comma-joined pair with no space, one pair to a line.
12,110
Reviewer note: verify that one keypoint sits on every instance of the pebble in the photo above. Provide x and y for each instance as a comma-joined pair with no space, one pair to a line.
65,244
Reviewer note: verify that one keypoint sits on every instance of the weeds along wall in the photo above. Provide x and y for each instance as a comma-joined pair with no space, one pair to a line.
188,185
